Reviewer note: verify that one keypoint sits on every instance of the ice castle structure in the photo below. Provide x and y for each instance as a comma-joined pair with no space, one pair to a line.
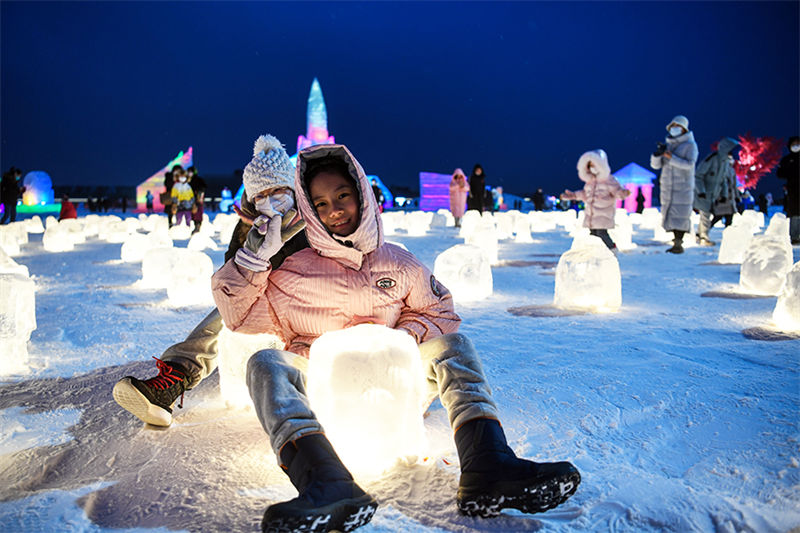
316,120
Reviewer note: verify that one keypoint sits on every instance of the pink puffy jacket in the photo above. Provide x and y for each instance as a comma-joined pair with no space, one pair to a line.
338,281
601,191
459,188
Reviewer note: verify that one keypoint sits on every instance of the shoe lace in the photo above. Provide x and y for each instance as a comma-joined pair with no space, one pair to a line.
167,376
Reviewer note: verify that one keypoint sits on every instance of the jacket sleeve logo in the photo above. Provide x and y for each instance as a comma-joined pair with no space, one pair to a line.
386,283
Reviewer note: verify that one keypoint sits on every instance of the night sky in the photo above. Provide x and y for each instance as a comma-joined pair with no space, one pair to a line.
106,93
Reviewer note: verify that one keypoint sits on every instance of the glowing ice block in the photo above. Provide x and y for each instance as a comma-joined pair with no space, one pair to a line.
418,223
134,248
190,278
201,241
34,224
465,271
588,277
787,310
180,232
17,321
765,265
522,228
367,387
484,236
9,266
234,350
56,239
736,240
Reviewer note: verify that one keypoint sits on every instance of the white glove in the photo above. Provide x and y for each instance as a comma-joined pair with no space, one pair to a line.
263,241
265,238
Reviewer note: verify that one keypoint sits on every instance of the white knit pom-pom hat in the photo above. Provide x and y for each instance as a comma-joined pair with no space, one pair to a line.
270,167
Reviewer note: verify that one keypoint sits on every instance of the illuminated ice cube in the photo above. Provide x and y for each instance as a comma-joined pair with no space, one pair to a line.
367,387
9,266
156,268
651,218
389,222
787,310
469,222
465,271
234,350
56,239
180,232
484,236
134,247
17,321
779,228
418,223
588,277
190,278
201,241
765,265
736,240
522,229
34,224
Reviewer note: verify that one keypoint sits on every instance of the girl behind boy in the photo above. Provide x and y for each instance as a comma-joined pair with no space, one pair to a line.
599,195
349,276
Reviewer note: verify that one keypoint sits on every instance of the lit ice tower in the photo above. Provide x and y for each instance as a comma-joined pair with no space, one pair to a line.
316,120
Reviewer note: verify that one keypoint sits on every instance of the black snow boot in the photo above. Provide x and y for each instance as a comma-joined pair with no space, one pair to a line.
151,400
493,478
329,498
677,243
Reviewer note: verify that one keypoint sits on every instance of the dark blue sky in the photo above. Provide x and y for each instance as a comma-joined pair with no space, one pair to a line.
108,92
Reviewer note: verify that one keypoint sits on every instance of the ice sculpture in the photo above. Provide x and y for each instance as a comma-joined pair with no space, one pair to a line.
34,224
56,239
17,321
38,188
779,229
180,232
201,241
588,277
755,217
651,218
484,236
225,224
367,387
388,220
190,278
504,224
134,248
50,222
74,230
542,222
9,266
8,240
736,240
622,232
469,222
787,310
418,223
522,229
765,265
91,225
448,217
156,266
234,350
465,271
567,219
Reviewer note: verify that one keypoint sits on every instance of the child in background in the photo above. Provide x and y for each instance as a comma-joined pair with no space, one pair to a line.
599,195
459,189
350,276
182,197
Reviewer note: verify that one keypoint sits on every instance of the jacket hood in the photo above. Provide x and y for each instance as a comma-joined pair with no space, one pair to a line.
726,146
351,249
600,161
792,140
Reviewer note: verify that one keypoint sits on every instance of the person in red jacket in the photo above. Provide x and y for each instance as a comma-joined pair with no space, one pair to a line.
67,209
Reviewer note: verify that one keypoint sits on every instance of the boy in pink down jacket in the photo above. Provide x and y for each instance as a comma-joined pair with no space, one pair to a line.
599,195
348,276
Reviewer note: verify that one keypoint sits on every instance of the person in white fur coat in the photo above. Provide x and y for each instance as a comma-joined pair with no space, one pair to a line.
599,195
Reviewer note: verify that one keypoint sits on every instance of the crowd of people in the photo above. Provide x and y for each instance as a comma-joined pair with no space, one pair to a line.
183,198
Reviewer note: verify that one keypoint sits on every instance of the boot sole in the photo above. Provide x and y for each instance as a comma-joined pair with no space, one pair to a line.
528,498
133,401
338,516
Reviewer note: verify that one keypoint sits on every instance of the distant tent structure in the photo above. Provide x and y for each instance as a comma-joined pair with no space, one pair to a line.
634,177
155,183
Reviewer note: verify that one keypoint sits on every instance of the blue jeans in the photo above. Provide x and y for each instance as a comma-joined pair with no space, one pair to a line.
276,379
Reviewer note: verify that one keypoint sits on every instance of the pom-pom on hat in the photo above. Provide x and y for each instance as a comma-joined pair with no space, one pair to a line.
269,168
680,120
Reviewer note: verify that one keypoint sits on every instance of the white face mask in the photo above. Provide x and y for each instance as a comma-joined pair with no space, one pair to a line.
279,202
182,179
795,148
675,131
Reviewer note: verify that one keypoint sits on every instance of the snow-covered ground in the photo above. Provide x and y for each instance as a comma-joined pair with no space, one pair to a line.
676,420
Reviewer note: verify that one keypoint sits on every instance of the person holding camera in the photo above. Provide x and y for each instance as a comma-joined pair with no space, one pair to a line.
676,158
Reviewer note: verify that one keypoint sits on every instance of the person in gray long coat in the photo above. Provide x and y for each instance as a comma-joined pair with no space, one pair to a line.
715,187
676,162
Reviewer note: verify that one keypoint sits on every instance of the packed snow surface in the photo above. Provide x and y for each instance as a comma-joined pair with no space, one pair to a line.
676,420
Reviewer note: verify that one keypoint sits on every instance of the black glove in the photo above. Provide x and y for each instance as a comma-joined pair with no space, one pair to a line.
722,200
701,195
